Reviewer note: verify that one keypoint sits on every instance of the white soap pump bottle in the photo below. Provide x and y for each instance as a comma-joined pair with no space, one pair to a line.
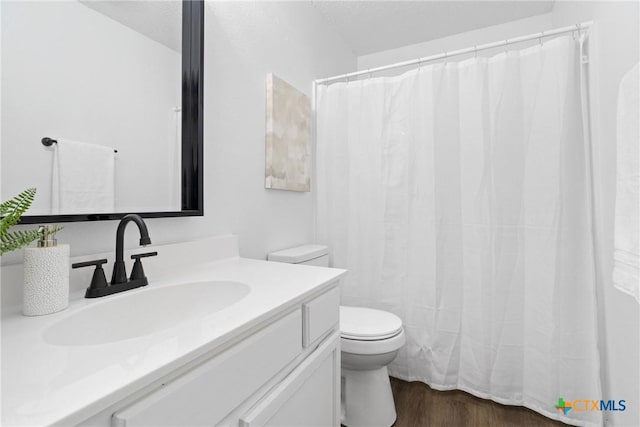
46,276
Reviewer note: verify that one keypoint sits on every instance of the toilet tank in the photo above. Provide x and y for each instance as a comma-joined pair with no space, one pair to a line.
307,255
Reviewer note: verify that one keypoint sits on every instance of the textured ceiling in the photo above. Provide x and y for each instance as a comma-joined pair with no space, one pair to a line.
373,26
159,20
367,26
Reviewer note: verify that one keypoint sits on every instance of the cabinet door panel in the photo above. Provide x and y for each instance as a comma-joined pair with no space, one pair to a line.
206,394
309,396
320,316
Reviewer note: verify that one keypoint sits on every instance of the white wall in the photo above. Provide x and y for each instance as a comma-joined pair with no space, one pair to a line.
454,42
243,42
71,72
246,41
615,38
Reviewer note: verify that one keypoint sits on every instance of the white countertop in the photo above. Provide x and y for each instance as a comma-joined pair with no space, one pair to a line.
44,384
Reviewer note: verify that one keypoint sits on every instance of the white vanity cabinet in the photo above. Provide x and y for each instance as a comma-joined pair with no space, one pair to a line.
286,373
190,356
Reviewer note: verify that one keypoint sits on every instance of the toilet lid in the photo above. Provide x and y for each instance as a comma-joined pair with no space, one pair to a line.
366,324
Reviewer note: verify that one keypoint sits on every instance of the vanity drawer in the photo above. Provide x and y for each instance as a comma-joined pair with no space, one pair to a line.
309,396
320,316
206,394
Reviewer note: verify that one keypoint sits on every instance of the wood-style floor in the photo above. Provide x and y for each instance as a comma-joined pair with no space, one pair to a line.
418,405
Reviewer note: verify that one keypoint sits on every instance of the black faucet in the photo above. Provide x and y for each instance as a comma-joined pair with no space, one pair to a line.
119,272
119,282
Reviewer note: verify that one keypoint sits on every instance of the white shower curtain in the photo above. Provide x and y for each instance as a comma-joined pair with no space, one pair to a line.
458,196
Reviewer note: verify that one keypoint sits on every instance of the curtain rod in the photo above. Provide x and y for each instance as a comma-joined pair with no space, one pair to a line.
540,35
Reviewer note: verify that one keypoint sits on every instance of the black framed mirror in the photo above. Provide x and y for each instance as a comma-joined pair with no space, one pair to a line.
191,149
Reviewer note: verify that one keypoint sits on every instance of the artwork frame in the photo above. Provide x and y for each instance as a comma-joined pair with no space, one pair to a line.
288,137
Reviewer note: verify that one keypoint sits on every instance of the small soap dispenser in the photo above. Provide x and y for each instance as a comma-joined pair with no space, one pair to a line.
46,276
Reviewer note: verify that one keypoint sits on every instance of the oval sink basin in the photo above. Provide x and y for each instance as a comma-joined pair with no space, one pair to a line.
142,313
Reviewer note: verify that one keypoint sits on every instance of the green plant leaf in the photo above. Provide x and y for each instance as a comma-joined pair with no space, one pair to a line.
15,240
11,241
10,213
12,209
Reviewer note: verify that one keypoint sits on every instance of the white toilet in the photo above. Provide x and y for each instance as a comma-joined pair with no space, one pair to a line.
370,340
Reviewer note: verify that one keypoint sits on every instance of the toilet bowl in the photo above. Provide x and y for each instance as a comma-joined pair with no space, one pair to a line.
369,341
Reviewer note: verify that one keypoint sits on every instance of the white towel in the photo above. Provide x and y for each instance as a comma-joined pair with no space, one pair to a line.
626,269
83,178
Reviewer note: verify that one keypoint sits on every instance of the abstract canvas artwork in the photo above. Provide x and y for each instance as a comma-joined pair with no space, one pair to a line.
288,137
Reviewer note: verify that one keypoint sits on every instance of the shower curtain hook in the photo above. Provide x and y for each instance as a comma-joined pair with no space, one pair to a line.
475,51
540,38
446,58
368,73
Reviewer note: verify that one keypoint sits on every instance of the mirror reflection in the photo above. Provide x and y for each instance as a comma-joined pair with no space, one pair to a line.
96,77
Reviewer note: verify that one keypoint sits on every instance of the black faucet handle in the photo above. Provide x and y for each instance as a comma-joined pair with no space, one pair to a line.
144,255
137,273
98,263
98,281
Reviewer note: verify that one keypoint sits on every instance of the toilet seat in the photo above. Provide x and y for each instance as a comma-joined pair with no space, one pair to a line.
369,331
386,345
368,324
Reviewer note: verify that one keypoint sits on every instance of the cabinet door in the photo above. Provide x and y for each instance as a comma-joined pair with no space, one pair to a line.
319,316
309,396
